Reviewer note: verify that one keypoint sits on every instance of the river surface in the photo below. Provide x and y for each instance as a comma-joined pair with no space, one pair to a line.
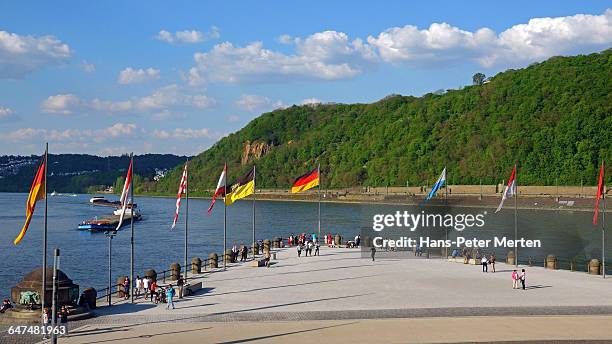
84,255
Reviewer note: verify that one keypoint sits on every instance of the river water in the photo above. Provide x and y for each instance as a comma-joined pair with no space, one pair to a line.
84,255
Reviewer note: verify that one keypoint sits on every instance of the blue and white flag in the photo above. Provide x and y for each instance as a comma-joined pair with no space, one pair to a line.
441,180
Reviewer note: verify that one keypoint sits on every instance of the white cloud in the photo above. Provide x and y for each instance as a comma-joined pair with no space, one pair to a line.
311,101
251,103
61,103
540,38
88,67
328,55
233,118
115,131
20,55
188,36
7,114
169,98
133,76
183,134
285,39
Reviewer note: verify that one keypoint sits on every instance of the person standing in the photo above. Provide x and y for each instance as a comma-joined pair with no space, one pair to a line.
267,258
180,283
492,262
299,250
126,287
169,295
317,246
146,283
522,277
373,249
63,315
153,291
514,279
484,262
138,288
47,322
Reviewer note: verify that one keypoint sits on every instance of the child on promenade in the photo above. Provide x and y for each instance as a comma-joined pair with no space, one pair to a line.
169,296
514,279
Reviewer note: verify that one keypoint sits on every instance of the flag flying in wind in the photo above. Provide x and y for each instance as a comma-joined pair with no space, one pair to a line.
220,191
181,191
125,194
306,181
510,189
441,180
600,192
37,192
243,187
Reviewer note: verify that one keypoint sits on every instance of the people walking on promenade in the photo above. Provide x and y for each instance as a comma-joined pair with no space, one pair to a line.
484,261
234,253
169,295
317,246
492,262
154,292
515,278
146,284
309,248
522,277
126,288
243,253
180,283
139,286
299,250
373,249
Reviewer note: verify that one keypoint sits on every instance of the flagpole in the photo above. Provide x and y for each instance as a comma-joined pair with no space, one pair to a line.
445,202
603,222
224,218
186,210
516,215
132,212
44,275
319,175
254,185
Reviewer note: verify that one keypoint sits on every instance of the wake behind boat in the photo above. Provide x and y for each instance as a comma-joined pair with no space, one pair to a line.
103,202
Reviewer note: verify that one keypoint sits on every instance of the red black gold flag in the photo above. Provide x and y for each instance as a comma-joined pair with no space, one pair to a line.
37,192
306,181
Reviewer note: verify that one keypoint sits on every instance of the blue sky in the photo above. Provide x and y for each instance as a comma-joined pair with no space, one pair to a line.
152,76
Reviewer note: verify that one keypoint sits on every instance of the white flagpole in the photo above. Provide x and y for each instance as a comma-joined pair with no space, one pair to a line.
44,275
319,175
225,218
132,212
603,222
516,214
186,211
254,186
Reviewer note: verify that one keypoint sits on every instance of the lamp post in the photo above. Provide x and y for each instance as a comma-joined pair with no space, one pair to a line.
56,256
110,236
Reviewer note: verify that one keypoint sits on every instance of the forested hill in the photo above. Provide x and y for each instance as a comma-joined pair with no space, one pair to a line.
554,117
73,173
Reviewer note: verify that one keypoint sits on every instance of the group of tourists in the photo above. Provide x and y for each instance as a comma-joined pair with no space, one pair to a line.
516,277
243,252
62,319
485,262
308,247
149,289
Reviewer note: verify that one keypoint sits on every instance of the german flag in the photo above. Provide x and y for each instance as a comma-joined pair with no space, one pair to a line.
242,188
306,181
37,192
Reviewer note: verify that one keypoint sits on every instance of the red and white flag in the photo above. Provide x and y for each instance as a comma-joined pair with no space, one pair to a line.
600,192
182,190
220,188
125,194
510,189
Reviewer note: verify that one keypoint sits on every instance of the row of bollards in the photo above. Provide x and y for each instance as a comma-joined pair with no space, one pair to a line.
593,267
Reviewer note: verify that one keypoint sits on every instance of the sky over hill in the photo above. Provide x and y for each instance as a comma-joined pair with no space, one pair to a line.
113,77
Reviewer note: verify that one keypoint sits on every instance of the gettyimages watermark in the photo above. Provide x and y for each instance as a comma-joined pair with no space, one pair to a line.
426,233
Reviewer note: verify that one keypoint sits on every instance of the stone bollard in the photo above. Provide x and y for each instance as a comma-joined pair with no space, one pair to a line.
337,240
255,249
229,256
277,242
266,245
551,262
594,267
89,296
151,274
510,258
213,261
196,265
175,271
121,292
